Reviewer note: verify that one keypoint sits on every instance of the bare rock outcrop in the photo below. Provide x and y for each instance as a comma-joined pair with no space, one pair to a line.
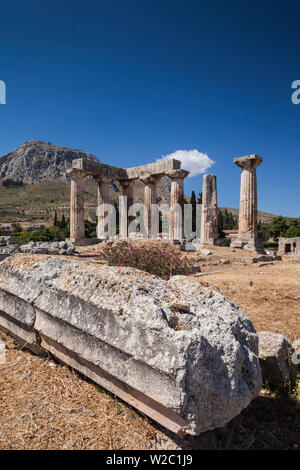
36,160
177,350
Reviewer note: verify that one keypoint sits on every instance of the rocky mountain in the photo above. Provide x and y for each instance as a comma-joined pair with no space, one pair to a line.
36,160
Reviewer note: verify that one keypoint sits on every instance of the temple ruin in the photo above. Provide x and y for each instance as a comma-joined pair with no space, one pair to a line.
149,175
103,174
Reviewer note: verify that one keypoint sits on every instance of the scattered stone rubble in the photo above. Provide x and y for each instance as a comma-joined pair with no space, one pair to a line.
263,258
177,350
46,248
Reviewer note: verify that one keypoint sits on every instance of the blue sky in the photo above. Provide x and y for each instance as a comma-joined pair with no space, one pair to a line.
130,81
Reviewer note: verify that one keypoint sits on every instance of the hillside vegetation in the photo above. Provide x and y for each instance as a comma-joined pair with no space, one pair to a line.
36,203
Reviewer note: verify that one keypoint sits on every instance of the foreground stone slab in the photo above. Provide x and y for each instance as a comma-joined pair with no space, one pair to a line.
177,350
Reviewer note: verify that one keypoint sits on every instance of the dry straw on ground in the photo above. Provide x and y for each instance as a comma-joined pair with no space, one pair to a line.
45,405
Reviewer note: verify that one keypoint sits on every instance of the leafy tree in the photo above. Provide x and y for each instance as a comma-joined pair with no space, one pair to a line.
17,227
278,227
220,223
226,221
294,229
263,230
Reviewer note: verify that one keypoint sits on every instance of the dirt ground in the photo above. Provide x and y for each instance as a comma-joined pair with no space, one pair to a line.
45,405
272,301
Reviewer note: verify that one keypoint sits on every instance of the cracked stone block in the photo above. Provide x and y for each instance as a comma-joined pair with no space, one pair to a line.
176,350
274,352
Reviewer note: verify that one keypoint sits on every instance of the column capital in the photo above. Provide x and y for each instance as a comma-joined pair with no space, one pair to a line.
178,174
150,179
249,161
101,179
75,174
126,183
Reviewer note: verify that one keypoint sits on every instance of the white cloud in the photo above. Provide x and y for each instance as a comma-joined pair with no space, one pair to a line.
192,160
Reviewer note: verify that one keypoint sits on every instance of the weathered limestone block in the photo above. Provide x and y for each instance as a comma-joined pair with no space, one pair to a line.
274,354
177,350
17,315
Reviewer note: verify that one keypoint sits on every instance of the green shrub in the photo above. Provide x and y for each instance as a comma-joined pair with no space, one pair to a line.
226,242
271,245
46,234
161,260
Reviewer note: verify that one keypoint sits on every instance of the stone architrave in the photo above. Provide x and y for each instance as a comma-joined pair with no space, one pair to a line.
248,235
77,229
177,204
126,201
209,222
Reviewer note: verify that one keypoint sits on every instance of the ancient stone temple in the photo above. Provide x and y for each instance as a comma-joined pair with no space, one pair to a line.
248,235
149,174
209,222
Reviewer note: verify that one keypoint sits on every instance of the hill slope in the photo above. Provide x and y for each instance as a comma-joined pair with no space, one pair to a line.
46,166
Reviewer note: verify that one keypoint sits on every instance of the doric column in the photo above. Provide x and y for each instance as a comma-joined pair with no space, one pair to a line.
248,196
248,235
209,216
177,204
126,201
150,182
77,204
102,198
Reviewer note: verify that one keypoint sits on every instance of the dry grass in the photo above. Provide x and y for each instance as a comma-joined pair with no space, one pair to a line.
44,405
273,301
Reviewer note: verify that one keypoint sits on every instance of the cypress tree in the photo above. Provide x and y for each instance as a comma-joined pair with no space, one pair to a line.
55,219
62,222
193,202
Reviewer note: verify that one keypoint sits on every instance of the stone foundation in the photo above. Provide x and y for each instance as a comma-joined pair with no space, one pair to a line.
248,244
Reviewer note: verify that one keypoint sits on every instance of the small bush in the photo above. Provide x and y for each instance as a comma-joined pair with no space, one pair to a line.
46,234
161,260
271,245
226,242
